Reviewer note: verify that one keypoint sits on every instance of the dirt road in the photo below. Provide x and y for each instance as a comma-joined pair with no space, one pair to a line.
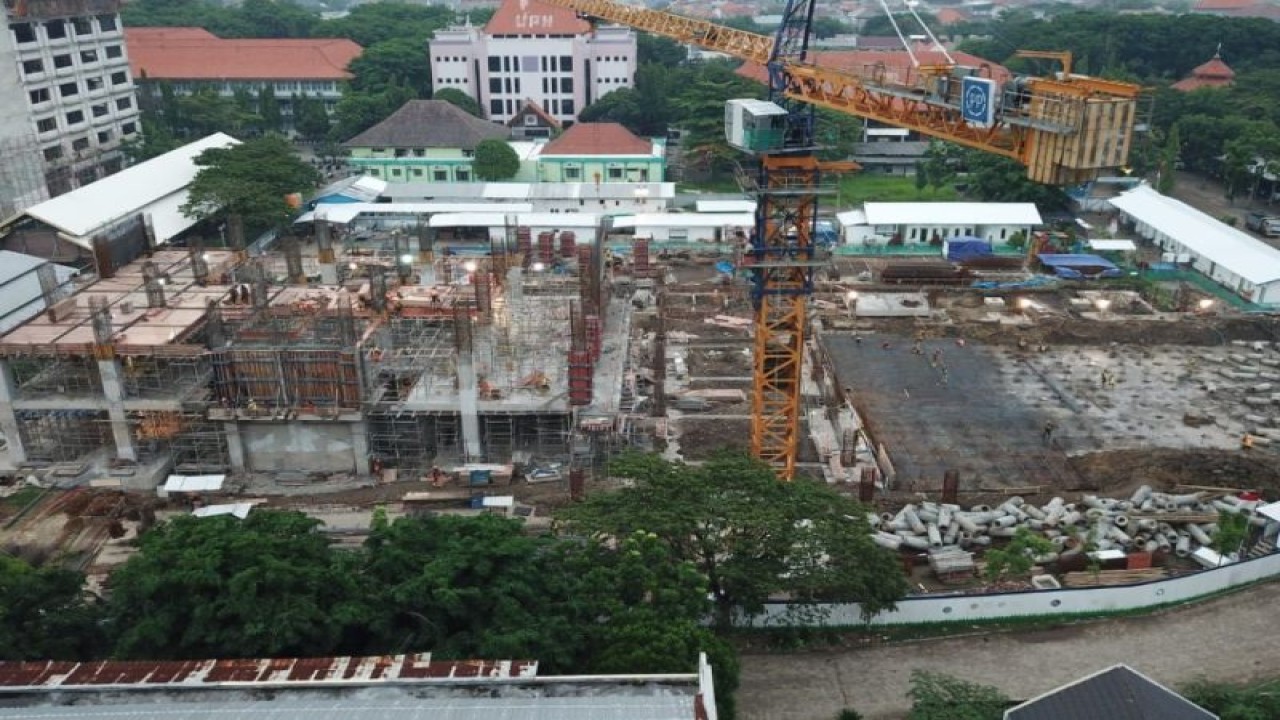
1228,639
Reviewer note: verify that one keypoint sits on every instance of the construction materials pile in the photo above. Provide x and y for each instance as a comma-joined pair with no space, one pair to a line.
1149,521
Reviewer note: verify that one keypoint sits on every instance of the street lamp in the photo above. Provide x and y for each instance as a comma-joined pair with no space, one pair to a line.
1022,304
537,267
1206,304
469,266
1102,304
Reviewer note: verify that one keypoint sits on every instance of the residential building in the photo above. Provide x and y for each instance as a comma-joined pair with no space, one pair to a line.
66,98
530,50
601,153
423,141
912,223
190,59
1118,693
1214,73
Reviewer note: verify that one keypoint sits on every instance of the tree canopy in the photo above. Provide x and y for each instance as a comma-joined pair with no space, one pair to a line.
250,179
495,160
43,614
456,97
749,534
941,697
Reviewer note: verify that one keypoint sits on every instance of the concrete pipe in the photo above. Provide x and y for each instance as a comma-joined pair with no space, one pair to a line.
1004,521
1163,543
935,537
1198,534
980,509
966,523
1119,536
1092,501
944,517
951,506
1016,501
1210,528
1002,532
1035,524
1122,506
1060,540
886,517
1150,546
1120,521
915,542
909,514
1045,558
1070,553
1055,501
900,525
1146,524
1071,517
927,516
1054,516
887,541
1226,507
1169,506
1141,495
929,505
1183,547
1094,513
1034,512
1188,499
981,540
1104,544
874,519
1165,527
1259,521
1148,505
951,536
1141,538
1052,533
984,518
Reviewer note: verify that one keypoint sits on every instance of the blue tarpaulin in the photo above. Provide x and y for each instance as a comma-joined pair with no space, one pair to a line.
1080,267
959,249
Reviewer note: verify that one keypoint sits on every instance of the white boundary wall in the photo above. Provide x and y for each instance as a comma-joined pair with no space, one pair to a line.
1030,603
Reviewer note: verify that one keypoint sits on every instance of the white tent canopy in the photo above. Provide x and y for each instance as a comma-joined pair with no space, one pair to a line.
951,213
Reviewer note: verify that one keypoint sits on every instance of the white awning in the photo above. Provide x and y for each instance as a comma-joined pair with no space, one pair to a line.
1270,511
1113,245
951,213
240,510
192,483
725,206
528,219
684,220
344,213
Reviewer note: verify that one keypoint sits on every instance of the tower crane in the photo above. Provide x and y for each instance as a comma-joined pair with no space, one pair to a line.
1065,129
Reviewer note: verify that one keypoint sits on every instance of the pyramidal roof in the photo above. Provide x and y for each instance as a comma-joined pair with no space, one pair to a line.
1214,73
531,17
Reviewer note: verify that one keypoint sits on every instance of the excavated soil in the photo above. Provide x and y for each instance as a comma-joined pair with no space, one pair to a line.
1119,472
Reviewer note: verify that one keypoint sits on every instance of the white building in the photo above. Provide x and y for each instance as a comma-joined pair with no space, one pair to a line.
1232,258
549,197
532,51
923,222
66,98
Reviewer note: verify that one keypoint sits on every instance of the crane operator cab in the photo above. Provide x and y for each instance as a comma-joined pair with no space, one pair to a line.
755,126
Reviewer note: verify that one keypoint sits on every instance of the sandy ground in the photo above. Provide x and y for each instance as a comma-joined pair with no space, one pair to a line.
1223,640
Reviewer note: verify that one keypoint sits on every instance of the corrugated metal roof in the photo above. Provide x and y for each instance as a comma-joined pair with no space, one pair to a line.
81,212
951,213
531,219
343,213
725,206
1237,251
531,191
683,220
1117,693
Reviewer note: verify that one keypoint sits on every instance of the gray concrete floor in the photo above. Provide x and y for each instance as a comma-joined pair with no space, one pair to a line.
1228,639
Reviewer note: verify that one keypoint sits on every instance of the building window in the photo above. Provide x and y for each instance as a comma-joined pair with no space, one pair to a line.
39,95
417,172
566,107
82,26
104,137
419,152
401,152
124,103
566,63
100,110
495,107
74,117
572,173
395,172
52,153
495,63
114,51
88,56
440,175
24,33
68,89
495,85
107,22
45,125
55,29
92,84
119,78
62,61
566,85
375,172
128,128
463,175
615,173
80,144
31,67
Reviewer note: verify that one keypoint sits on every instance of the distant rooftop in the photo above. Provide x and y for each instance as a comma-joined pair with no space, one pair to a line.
530,17
429,124
193,53
607,138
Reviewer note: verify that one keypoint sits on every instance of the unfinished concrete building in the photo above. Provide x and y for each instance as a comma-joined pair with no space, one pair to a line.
193,361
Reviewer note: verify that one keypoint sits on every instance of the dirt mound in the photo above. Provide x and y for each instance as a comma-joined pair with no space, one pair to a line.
1120,471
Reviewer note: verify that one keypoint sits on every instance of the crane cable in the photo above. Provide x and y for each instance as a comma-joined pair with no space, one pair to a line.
892,21
932,38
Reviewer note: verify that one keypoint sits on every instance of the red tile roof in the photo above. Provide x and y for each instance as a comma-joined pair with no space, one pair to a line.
598,139
530,17
195,54
534,108
897,65
951,16
1214,73
1202,5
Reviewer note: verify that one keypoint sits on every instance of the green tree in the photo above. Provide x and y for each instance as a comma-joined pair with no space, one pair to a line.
1233,530
994,178
455,96
266,586
357,112
1017,557
250,179
155,139
941,697
309,118
750,534
940,164
269,110
1259,701
1169,162
371,23
398,61
44,615
495,160
658,50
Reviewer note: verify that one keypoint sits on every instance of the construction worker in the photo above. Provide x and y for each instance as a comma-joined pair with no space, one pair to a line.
1049,427
1246,442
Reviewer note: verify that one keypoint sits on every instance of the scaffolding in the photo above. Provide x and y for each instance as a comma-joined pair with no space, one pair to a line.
164,377
55,376
201,446
58,436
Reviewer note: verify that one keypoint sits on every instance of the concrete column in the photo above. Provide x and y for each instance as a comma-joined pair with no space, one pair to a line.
328,274
8,417
360,447
235,448
113,391
468,408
